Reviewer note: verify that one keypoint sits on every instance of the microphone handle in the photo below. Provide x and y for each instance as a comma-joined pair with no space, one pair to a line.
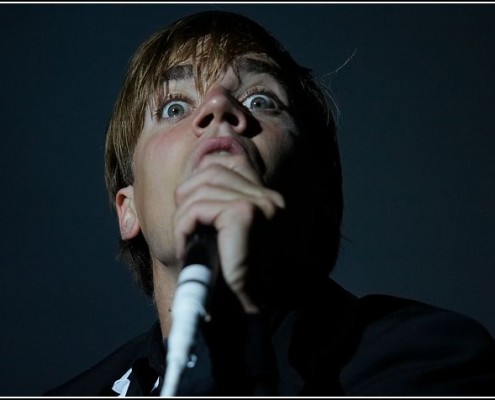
189,303
201,247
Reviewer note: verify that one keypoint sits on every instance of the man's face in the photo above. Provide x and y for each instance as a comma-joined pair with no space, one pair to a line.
241,121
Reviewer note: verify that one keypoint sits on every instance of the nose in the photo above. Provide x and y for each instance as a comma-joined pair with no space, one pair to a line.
217,108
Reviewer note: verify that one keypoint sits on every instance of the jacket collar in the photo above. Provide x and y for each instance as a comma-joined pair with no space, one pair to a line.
306,339
311,340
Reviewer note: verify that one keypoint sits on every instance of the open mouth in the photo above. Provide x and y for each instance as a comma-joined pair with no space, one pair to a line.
222,146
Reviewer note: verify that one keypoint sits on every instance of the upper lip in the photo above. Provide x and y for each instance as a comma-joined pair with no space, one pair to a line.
219,143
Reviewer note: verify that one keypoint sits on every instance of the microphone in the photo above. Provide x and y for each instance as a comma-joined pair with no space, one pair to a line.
188,307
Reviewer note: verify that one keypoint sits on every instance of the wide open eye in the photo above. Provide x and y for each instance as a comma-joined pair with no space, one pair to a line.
174,109
260,101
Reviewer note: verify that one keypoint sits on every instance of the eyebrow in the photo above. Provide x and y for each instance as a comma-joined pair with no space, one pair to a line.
178,72
243,64
249,65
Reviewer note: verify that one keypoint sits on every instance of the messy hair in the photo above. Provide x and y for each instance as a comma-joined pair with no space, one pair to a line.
211,41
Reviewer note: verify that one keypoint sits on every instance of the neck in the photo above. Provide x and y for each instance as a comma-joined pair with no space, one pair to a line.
165,282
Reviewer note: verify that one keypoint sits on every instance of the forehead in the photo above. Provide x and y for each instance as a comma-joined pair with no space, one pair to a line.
243,64
204,73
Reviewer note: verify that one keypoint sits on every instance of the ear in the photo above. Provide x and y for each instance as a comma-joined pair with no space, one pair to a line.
128,220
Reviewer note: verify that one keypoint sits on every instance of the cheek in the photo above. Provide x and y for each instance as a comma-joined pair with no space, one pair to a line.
276,148
158,164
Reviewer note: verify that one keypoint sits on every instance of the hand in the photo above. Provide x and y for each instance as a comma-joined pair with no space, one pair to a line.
227,193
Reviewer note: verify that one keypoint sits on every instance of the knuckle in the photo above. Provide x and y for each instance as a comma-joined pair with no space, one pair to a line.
244,208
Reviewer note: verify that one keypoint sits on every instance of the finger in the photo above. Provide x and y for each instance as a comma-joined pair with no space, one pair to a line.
237,163
220,177
186,220
265,199
205,206
233,249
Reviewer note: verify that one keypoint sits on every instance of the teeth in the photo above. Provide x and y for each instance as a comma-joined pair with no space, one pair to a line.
221,153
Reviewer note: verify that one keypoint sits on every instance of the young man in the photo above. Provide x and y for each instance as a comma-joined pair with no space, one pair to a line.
217,126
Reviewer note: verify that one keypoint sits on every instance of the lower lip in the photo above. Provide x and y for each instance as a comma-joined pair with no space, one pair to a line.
221,145
217,146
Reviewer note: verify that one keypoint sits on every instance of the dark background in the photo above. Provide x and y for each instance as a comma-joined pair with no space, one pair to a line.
417,140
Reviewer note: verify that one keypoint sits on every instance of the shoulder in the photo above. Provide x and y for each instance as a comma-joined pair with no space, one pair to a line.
409,347
98,379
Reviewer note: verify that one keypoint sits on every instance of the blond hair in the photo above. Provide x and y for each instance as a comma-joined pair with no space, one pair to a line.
212,40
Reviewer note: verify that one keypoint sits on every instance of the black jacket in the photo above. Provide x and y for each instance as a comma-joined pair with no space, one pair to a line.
334,345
